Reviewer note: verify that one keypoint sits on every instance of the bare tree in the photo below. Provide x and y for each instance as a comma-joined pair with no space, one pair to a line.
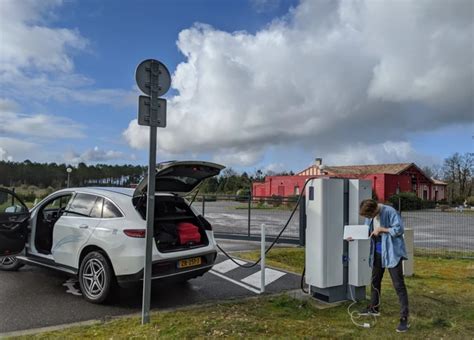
458,171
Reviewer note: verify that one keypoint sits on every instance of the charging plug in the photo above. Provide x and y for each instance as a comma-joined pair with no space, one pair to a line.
366,325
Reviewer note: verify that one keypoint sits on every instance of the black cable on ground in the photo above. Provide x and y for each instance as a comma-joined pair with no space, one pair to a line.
302,281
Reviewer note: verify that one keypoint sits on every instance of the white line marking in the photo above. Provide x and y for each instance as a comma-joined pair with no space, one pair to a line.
271,275
227,266
235,282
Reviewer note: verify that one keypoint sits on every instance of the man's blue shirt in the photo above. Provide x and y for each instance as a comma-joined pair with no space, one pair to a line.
392,243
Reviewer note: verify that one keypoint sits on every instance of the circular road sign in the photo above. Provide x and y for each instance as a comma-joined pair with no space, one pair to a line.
143,76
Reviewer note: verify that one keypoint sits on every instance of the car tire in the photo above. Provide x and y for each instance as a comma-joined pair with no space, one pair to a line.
10,263
96,277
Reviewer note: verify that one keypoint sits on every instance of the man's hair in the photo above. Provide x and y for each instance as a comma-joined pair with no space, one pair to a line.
368,207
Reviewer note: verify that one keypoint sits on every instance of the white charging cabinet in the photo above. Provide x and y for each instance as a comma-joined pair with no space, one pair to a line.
359,268
324,232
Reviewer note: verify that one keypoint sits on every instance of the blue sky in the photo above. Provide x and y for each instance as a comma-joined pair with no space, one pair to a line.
257,84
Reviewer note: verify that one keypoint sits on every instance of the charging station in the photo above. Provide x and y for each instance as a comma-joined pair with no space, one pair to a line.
336,270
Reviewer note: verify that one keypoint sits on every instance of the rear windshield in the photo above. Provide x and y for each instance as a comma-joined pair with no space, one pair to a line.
165,207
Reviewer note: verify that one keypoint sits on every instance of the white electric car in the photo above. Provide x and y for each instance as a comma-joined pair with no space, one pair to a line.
98,234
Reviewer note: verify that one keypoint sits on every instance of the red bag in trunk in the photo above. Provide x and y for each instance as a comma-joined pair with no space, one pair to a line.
188,233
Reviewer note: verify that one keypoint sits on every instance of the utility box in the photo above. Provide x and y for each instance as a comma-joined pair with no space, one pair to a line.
359,190
324,232
336,270
359,268
408,265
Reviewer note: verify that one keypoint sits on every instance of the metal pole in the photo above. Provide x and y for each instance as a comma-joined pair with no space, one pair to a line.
68,175
150,211
302,228
203,204
249,212
262,262
150,218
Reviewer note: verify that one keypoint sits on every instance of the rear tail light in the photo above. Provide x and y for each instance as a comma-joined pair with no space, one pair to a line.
136,233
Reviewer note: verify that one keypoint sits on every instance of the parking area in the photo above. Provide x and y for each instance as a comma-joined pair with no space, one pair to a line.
433,229
35,297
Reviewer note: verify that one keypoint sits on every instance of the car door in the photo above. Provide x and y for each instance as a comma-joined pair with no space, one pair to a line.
14,219
74,228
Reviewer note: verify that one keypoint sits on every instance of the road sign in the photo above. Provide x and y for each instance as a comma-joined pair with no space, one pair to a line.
149,116
145,78
154,79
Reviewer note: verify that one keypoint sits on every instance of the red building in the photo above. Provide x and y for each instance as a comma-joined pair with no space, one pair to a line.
387,180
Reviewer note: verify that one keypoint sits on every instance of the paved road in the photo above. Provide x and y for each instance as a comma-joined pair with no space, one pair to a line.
433,229
35,297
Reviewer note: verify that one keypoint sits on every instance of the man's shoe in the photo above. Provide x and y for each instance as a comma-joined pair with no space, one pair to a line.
403,325
370,310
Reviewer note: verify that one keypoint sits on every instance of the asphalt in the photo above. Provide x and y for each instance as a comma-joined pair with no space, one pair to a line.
36,297
433,229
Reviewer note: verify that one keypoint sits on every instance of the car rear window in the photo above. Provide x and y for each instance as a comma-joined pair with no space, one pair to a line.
110,210
97,208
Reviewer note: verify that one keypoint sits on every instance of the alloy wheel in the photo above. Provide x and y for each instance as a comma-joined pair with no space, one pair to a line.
8,260
94,278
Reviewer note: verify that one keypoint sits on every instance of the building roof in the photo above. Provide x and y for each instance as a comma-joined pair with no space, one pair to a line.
393,169
438,182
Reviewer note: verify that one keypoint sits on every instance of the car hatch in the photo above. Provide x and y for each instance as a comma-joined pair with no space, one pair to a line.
179,178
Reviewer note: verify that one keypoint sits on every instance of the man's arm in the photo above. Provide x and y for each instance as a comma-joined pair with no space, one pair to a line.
396,226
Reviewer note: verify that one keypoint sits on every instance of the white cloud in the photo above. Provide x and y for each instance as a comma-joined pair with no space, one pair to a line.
273,168
95,155
36,125
13,149
4,156
328,76
36,59
386,152
27,43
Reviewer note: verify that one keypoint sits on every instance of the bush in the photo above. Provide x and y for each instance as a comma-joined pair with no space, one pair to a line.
410,201
470,201
276,200
242,195
293,198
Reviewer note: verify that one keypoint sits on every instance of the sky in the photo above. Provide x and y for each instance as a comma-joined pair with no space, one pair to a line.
256,84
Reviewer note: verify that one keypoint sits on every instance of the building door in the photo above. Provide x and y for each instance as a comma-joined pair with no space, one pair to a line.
425,195
281,190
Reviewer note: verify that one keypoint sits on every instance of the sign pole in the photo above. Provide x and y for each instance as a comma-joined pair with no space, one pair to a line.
150,218
154,79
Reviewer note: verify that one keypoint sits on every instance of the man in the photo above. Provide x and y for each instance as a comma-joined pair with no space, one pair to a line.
387,250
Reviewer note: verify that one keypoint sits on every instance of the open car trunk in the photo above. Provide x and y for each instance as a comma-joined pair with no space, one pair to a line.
176,227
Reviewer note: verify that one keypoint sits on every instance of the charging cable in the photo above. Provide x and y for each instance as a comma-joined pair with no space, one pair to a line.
355,315
278,236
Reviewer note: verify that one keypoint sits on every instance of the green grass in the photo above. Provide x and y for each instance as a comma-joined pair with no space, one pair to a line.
441,301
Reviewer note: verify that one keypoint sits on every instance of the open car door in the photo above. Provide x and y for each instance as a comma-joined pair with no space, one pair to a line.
14,218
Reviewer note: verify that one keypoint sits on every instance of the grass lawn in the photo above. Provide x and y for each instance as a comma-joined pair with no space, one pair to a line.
441,301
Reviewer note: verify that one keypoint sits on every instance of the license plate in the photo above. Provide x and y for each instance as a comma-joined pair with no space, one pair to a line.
195,261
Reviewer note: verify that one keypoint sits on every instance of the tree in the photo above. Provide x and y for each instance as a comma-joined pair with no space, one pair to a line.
458,171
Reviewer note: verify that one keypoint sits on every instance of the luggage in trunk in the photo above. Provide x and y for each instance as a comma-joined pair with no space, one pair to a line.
188,233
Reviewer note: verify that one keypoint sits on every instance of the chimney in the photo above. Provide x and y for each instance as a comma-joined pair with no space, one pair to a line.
318,161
